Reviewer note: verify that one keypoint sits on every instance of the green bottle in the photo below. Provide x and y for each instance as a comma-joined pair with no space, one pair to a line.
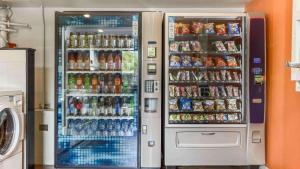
94,106
87,82
125,84
72,81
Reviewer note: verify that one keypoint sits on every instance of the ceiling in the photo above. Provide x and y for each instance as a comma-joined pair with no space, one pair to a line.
129,3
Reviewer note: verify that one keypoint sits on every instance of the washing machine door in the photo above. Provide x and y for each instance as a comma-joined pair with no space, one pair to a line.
11,131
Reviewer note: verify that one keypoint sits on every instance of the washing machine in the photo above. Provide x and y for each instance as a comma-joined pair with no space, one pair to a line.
12,129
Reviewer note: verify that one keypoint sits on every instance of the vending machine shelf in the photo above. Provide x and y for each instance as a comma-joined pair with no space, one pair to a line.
203,82
206,68
99,117
98,72
205,111
100,49
84,94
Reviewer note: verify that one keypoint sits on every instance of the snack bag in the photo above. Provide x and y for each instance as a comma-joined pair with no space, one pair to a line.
220,117
220,62
232,104
194,76
222,91
229,91
186,117
217,75
221,29
182,91
174,47
185,46
197,105
211,76
231,47
174,61
197,62
209,28
172,91
178,28
205,117
225,117
186,61
194,91
208,61
233,117
233,28
177,91
181,76
231,61
185,104
195,46
196,117
209,105
188,90
236,76
173,104
223,75
220,46
220,105
197,27
212,91
186,29
187,76
172,77
236,92
228,74
211,117
174,117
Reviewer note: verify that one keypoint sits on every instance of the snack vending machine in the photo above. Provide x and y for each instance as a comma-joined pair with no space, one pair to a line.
214,72
108,88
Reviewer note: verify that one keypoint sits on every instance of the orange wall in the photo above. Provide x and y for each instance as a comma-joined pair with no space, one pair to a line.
283,114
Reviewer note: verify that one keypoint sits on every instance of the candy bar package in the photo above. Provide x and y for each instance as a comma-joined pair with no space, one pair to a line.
233,28
178,28
229,90
194,76
202,76
211,117
220,46
197,62
205,76
188,90
175,117
217,75
221,29
181,76
186,29
220,105
172,77
195,46
220,62
236,76
211,75
209,28
208,61
172,91
174,61
185,104
205,117
232,104
187,75
236,91
233,117
220,117
182,91
223,75
173,106
222,91
186,61
177,91
185,46
195,91
225,117
212,91
186,117
197,27
197,105
196,117
231,47
209,105
231,61
174,46
228,75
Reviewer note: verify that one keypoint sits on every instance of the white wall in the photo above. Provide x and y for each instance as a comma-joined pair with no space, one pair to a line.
34,38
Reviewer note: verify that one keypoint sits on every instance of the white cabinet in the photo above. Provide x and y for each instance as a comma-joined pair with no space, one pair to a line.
295,60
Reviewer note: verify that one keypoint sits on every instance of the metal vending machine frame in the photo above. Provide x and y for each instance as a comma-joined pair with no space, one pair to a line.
219,143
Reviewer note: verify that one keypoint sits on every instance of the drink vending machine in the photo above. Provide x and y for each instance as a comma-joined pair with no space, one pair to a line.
214,89
108,90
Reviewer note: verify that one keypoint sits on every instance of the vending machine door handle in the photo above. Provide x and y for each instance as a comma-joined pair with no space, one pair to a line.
208,134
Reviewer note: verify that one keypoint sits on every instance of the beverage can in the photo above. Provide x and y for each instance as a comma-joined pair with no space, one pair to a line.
105,41
71,107
118,62
117,83
113,41
95,86
110,84
92,38
94,106
120,42
80,63
102,61
71,81
110,62
71,60
101,83
85,110
98,41
101,106
128,42
118,106
87,83
79,82
86,60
